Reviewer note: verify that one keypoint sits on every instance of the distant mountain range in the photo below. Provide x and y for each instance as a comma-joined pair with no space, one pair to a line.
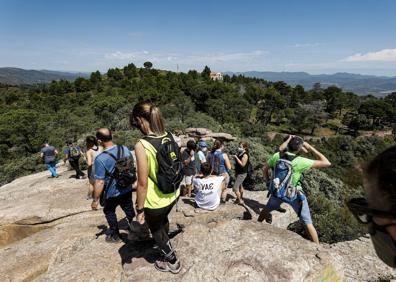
16,76
357,83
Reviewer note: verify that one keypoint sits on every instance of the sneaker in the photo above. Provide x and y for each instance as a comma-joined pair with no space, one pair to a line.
269,219
113,237
166,266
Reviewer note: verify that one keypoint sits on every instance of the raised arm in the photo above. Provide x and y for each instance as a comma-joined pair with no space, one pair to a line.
322,160
283,146
242,162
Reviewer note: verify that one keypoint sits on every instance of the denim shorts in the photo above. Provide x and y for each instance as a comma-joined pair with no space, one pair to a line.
300,207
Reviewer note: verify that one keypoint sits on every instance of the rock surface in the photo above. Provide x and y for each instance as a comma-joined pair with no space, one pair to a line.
49,233
204,134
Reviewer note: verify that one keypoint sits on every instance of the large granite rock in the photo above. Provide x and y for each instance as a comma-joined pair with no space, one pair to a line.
49,233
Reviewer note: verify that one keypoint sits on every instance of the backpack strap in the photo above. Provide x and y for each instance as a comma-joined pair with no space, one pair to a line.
111,155
285,156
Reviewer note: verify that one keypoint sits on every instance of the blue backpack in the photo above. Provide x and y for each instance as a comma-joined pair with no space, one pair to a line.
281,185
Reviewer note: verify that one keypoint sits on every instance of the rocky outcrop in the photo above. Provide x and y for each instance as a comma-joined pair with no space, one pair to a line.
49,233
204,134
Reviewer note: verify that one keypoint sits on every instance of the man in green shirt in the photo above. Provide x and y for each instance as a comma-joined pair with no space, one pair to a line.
295,147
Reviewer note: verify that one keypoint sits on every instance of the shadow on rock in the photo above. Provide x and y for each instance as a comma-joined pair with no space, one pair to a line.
256,206
144,248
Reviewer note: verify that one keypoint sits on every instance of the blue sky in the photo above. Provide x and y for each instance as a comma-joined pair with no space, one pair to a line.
314,36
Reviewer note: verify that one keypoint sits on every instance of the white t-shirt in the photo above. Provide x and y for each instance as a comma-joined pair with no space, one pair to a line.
208,192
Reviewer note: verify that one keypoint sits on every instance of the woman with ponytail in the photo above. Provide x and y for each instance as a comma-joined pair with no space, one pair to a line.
152,205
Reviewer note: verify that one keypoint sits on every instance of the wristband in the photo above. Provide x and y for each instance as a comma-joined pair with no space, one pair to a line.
139,211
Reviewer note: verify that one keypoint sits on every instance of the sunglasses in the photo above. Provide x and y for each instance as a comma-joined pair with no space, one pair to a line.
360,209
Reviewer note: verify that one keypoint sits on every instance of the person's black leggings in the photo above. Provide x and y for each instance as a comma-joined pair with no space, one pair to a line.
158,223
125,202
75,164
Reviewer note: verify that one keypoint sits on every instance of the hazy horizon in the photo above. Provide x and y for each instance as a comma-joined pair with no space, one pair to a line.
309,36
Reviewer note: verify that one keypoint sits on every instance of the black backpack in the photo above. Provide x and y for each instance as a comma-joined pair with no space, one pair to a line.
124,172
169,161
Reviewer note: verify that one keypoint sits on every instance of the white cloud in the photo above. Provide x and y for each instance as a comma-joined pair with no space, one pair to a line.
385,55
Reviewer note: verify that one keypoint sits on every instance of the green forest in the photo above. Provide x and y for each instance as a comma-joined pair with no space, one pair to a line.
343,125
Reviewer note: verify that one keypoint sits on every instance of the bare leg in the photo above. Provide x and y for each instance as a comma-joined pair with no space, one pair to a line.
241,192
189,189
312,233
238,196
224,195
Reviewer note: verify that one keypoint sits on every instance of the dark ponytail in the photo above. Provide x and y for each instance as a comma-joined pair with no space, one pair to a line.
91,142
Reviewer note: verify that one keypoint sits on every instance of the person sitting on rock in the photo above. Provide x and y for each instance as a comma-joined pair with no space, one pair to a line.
48,154
209,189
114,194
295,146
378,210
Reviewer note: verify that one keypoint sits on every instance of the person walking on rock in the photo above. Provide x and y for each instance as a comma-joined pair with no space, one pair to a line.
285,185
48,155
242,159
156,191
72,154
93,150
114,190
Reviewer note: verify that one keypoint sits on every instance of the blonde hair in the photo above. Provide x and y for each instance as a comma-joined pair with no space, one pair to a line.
150,113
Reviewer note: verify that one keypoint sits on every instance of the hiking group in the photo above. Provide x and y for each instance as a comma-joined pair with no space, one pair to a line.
161,173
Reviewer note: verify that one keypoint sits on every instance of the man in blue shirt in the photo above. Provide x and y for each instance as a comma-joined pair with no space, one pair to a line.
104,183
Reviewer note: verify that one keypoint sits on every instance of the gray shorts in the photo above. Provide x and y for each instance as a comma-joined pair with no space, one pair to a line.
238,181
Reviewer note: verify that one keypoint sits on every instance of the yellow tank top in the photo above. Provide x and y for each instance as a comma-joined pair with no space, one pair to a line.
155,199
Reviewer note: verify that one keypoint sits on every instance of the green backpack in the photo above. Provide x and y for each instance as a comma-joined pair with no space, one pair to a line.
74,152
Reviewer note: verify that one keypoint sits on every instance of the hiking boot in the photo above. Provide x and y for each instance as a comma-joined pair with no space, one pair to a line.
166,266
113,237
269,219
262,216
